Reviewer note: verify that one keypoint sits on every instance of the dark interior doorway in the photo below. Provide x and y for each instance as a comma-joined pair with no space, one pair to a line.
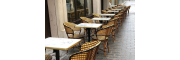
102,4
47,23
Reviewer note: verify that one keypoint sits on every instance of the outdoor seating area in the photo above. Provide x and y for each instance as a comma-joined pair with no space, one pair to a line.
92,32
89,30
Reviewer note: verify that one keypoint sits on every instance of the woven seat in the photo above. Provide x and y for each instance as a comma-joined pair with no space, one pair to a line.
88,51
99,37
48,57
76,36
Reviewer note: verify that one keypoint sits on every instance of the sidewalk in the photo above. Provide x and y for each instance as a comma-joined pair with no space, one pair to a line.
124,46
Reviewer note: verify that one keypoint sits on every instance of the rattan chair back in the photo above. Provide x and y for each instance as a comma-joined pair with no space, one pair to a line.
96,15
88,51
68,27
105,31
104,12
86,20
48,57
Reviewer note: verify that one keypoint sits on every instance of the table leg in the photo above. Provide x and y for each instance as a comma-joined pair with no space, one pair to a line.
57,54
88,29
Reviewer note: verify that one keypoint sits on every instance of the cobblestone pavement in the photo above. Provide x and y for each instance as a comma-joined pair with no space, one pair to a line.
122,49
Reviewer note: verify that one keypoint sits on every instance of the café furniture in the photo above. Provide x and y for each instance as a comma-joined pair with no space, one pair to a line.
101,19
48,57
88,51
70,31
117,9
102,35
112,11
107,15
88,26
60,44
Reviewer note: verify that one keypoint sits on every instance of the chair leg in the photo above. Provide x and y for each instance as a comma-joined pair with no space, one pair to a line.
84,40
104,48
80,32
79,43
113,38
121,22
107,46
117,28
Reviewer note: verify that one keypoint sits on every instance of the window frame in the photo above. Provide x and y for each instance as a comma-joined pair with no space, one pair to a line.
78,20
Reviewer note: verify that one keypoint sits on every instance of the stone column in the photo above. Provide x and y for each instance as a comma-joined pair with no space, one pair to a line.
58,15
106,4
97,6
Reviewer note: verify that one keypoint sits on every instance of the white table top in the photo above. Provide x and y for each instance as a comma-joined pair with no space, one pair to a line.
88,25
60,43
107,14
116,9
101,18
112,11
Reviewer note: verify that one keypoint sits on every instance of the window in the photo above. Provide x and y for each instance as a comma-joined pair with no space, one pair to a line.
78,8
70,10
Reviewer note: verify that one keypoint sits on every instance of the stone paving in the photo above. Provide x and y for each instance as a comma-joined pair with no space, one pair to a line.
124,46
122,49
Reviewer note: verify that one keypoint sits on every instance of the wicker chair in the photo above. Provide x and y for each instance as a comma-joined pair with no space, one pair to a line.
120,15
118,23
96,15
88,51
119,5
86,20
128,8
108,9
114,27
102,35
70,29
48,57
125,9
113,7
104,12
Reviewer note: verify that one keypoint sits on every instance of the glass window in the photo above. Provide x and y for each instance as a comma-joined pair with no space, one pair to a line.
80,8
70,10
75,9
